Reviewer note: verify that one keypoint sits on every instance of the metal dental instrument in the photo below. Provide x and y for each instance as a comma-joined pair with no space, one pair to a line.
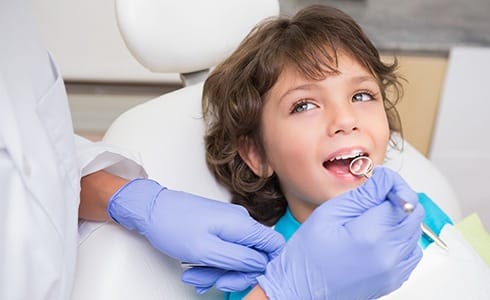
363,166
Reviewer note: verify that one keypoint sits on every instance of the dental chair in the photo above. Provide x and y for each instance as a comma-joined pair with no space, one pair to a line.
186,37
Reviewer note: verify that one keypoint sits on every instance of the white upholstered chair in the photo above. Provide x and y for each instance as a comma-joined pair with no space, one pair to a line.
186,37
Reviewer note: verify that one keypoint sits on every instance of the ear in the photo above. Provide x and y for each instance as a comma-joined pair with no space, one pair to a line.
248,152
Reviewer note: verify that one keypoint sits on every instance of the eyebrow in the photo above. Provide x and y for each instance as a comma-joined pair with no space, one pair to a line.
360,79
302,87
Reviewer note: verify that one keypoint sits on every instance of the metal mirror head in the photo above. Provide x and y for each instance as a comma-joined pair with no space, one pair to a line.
361,166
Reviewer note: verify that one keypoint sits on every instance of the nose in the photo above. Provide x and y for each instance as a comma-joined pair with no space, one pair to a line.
342,120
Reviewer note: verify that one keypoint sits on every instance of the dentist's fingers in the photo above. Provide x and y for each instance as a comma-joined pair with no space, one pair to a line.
236,281
252,234
228,255
387,182
203,278
390,226
384,184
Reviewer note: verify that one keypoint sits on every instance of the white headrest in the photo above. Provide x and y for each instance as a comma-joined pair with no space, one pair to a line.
182,36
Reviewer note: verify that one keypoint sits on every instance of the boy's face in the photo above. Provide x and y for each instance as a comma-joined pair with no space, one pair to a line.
311,128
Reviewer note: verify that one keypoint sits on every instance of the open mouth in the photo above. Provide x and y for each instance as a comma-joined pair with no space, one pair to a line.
340,164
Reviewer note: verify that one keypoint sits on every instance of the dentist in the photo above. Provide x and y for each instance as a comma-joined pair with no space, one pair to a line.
49,178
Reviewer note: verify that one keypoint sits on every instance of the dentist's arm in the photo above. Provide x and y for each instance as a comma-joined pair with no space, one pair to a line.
96,190
184,226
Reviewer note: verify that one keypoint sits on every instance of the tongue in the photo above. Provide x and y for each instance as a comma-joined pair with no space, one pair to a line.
340,166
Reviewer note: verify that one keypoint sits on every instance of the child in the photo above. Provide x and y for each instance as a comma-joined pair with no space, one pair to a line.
291,107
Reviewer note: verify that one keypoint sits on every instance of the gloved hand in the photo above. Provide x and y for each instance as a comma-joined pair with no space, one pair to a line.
354,246
203,279
196,230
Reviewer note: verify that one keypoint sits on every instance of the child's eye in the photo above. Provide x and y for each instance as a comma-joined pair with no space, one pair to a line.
302,106
363,96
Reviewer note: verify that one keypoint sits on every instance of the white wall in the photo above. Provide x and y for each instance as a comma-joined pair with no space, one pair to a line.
461,141
85,41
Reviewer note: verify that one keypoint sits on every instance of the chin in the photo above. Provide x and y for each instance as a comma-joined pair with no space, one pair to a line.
347,187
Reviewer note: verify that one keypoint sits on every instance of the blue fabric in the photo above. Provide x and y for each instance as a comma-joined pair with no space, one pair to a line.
434,218
287,225
237,295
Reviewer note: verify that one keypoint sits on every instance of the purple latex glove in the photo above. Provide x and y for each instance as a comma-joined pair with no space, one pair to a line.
228,281
196,230
354,246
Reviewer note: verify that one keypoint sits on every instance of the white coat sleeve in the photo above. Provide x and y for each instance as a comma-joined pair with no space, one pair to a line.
96,156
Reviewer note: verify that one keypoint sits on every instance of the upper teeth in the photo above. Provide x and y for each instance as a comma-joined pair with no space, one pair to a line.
346,156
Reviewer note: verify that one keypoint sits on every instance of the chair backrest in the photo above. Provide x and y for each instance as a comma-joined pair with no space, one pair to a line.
184,36
167,133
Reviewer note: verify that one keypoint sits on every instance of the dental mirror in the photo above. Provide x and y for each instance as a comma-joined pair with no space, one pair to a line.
361,166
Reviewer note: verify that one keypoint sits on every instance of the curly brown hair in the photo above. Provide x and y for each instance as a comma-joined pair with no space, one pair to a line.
234,94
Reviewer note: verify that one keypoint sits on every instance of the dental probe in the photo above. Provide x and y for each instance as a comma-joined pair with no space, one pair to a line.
363,166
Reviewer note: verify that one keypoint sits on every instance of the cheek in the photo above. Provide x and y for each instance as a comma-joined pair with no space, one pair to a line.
384,131
381,137
286,148
380,125
282,147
